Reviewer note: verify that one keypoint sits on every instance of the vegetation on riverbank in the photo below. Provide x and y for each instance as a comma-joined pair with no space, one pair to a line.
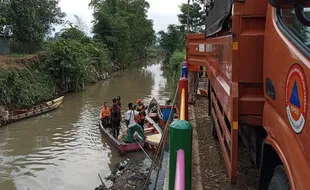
172,42
67,61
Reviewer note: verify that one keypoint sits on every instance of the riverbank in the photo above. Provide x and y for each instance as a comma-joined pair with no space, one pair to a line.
25,82
52,145
128,177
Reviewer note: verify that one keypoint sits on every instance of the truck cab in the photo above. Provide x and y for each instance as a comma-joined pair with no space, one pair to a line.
286,77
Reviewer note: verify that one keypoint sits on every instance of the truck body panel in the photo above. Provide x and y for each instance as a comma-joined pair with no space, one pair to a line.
257,78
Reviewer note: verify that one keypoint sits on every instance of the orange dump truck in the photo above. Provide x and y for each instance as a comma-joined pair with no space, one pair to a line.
257,57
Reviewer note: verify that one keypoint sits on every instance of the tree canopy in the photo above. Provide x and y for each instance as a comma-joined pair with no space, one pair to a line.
196,17
30,21
123,26
174,39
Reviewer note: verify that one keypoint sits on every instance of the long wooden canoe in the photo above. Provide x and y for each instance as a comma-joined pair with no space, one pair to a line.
36,110
37,107
121,146
153,134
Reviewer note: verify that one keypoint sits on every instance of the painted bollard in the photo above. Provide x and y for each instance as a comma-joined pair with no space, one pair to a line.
183,89
180,138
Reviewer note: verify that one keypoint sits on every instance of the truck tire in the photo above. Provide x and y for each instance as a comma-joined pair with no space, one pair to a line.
279,180
213,129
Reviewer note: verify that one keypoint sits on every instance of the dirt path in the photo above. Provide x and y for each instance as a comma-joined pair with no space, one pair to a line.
212,167
17,62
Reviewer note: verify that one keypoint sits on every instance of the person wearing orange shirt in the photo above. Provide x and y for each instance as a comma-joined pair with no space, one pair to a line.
105,115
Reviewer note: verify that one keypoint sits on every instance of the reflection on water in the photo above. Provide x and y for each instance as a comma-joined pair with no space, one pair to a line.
63,149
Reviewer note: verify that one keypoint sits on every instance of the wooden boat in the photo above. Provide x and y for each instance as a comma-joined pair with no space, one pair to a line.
155,111
153,118
37,107
123,147
153,133
36,110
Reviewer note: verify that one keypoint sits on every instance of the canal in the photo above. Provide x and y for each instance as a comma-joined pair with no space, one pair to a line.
64,149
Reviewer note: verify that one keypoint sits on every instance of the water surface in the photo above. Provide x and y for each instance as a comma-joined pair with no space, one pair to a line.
64,149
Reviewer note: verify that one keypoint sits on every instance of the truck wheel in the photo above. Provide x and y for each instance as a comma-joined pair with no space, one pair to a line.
279,180
213,129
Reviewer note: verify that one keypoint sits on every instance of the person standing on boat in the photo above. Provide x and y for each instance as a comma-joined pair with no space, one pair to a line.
105,115
115,118
142,114
118,100
132,125
141,107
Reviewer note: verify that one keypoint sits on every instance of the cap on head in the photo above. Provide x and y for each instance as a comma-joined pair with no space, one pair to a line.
139,101
114,100
118,98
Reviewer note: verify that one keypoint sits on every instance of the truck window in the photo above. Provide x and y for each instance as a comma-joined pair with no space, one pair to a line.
294,29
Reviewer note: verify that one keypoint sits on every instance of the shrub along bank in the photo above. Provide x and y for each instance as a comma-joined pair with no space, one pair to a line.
121,32
65,64
172,68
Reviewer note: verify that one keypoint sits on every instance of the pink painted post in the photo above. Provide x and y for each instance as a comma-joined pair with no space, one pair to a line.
179,182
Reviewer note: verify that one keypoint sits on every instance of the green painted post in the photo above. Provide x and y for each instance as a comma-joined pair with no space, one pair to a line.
180,138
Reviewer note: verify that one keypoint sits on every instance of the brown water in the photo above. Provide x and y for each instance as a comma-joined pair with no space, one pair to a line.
63,149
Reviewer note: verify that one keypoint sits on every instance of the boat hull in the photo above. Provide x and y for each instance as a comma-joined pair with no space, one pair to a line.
153,131
121,146
36,110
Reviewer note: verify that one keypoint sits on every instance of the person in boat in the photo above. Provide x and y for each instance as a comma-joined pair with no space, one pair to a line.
118,100
141,109
116,117
133,126
105,115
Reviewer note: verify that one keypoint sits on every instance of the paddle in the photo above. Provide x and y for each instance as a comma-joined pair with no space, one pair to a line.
144,152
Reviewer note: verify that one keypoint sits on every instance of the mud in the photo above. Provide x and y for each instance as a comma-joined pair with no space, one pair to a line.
212,166
126,177
9,61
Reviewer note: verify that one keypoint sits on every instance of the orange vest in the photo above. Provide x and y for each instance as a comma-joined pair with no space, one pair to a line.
105,112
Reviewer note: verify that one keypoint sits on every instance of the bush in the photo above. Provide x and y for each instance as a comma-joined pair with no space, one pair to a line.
176,61
172,68
26,87
66,62
173,64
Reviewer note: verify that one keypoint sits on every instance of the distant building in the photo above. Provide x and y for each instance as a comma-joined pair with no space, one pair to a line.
4,44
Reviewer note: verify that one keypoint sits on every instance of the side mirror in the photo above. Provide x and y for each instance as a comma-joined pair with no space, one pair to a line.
301,15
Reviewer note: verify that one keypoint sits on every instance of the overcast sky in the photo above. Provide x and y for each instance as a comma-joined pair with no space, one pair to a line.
163,12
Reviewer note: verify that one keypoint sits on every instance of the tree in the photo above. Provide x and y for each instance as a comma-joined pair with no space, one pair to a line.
80,24
196,17
4,11
30,21
74,34
123,26
142,35
172,40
